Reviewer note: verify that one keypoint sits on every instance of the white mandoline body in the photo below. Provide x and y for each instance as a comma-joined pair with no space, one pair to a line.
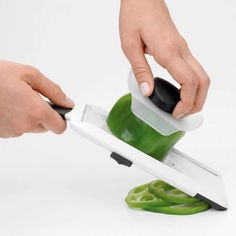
178,169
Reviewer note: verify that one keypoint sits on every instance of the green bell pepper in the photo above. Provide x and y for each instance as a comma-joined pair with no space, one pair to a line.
181,209
140,197
168,193
132,130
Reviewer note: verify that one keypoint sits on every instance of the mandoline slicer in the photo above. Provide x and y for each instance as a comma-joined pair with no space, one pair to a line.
177,169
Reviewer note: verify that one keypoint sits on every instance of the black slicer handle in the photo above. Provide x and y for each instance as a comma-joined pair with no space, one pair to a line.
62,111
165,95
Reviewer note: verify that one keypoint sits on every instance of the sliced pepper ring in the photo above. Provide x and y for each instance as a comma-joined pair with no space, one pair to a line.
169,193
140,197
181,209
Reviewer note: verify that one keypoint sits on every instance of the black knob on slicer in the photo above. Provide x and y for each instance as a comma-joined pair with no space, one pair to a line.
165,95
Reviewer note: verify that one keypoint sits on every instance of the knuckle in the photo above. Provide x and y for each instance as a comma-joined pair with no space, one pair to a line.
56,89
61,129
15,135
18,131
206,82
188,104
140,72
183,43
25,128
128,46
194,82
37,113
30,71
22,128
166,56
197,108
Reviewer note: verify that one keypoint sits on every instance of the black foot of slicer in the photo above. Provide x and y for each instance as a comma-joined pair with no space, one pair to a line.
177,169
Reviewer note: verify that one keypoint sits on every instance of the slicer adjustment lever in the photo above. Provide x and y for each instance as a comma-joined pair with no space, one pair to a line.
120,159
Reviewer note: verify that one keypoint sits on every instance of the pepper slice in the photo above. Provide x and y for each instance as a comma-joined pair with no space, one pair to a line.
140,197
181,209
169,193
132,130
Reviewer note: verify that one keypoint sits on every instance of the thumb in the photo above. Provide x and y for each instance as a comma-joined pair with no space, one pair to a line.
49,89
142,71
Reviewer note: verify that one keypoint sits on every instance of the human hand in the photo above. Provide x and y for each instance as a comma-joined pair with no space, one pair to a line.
22,109
146,28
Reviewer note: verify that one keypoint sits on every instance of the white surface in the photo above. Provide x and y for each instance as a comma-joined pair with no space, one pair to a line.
159,120
63,185
178,169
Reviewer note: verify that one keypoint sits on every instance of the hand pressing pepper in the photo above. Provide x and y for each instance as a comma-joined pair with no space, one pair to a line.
22,109
146,27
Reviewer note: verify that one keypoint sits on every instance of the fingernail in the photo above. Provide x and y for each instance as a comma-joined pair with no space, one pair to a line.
70,101
179,116
144,87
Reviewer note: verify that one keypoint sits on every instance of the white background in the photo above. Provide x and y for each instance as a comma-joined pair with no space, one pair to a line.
64,185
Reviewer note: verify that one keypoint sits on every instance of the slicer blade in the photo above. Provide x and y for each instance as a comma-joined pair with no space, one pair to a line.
210,182
178,169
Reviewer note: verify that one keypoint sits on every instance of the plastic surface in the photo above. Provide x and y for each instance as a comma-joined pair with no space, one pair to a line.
178,169
159,120
165,95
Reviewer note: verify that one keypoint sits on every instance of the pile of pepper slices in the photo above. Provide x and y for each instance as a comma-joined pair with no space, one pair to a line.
161,197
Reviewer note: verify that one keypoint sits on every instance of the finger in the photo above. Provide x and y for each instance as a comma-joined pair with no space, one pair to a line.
147,51
39,129
189,82
51,120
204,83
135,54
49,89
